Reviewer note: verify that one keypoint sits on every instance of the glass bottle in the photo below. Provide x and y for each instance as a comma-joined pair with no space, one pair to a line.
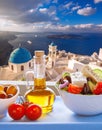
40,95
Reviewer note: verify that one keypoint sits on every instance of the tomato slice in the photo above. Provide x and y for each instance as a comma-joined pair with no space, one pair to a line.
74,89
98,88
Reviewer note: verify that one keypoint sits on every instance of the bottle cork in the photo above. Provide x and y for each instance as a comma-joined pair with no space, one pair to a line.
39,57
39,53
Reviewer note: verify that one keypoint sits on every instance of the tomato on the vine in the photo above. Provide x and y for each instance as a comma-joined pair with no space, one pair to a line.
33,112
26,104
16,111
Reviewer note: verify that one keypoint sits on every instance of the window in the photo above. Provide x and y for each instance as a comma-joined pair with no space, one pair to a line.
22,68
29,64
12,68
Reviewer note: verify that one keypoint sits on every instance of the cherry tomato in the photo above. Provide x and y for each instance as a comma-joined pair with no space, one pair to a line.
16,111
74,89
33,112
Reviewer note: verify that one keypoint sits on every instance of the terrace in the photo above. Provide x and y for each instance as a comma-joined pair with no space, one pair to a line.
59,119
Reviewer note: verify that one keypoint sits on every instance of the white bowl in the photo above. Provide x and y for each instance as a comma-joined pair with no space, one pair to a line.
82,104
4,103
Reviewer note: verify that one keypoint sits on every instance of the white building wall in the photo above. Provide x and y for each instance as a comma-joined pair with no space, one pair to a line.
17,67
100,53
75,65
52,54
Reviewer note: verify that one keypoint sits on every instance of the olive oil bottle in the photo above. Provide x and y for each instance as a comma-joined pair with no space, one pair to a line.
40,95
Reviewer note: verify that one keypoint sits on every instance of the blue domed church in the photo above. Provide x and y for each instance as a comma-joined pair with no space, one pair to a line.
20,60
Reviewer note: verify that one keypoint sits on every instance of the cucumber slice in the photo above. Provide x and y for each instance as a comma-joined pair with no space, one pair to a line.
65,74
98,72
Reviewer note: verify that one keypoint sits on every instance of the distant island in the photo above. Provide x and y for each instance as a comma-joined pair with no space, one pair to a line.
5,47
65,36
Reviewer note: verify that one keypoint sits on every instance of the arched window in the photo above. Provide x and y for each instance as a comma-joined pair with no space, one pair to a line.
29,64
22,67
54,52
12,68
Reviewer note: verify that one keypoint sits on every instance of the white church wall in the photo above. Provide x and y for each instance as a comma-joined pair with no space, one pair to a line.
17,67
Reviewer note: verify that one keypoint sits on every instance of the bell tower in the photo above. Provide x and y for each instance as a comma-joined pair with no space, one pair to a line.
52,54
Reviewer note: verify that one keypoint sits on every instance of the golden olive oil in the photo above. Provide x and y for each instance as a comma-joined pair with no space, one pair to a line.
40,95
43,97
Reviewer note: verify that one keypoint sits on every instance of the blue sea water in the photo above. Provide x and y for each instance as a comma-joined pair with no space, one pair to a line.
91,42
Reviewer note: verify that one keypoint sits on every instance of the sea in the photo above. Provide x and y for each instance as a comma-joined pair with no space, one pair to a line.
87,45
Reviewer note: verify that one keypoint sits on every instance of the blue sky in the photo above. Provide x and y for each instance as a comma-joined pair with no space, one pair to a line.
51,15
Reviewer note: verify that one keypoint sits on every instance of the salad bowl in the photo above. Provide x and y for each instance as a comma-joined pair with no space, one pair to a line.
81,92
82,104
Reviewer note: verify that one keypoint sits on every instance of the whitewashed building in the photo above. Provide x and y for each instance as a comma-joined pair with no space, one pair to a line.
20,60
52,54
75,65
100,54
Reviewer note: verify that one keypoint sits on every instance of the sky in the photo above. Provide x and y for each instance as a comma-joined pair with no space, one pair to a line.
51,15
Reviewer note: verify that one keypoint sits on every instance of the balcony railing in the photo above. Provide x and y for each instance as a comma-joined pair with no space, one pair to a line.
23,85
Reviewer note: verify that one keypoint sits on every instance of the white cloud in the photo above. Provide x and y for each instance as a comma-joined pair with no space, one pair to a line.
10,7
51,11
88,28
6,23
83,26
100,25
31,10
43,10
24,12
97,1
68,5
86,11
49,27
75,8
87,5
56,18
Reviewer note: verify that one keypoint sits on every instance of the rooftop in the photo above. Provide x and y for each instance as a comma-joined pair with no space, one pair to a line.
20,55
53,44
